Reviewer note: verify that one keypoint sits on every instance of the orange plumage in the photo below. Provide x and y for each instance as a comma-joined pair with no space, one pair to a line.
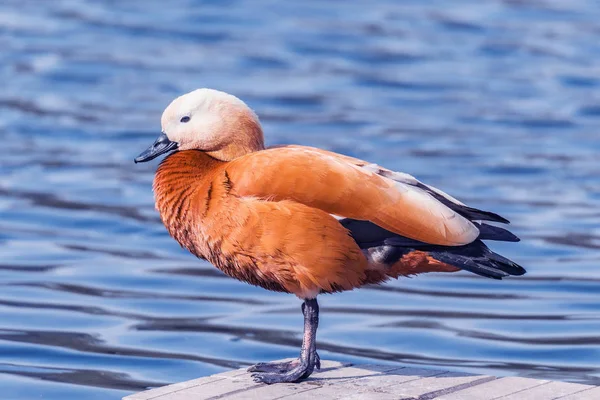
303,220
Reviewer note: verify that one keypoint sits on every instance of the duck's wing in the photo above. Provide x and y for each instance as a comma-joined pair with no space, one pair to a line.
350,188
470,213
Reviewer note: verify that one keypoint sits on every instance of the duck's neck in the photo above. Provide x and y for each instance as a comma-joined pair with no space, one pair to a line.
247,138
233,151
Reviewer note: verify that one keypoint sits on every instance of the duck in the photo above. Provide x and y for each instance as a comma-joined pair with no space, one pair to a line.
304,220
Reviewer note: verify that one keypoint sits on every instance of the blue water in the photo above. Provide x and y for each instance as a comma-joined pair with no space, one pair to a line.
496,102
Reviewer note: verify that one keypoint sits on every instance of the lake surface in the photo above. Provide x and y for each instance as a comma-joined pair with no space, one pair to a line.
496,102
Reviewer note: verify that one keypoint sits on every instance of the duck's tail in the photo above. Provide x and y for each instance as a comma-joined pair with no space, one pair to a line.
476,257
405,256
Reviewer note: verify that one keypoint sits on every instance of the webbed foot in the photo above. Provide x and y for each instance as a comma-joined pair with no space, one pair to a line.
290,371
280,367
274,367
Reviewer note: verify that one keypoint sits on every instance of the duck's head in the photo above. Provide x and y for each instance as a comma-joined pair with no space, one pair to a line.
215,122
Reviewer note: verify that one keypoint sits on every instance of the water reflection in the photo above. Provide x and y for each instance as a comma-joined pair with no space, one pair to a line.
495,102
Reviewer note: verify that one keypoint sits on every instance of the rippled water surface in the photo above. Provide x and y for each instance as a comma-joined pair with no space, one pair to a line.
496,102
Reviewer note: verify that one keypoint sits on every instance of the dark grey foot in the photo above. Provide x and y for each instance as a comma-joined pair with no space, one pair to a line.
277,372
281,367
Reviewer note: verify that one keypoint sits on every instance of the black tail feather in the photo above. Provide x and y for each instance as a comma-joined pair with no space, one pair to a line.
490,232
483,270
476,257
478,215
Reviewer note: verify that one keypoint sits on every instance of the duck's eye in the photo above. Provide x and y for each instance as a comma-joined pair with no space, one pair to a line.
185,119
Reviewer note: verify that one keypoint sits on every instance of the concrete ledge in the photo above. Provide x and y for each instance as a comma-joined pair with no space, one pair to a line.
371,382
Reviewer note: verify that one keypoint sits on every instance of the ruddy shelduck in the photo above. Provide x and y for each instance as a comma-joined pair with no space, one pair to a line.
303,220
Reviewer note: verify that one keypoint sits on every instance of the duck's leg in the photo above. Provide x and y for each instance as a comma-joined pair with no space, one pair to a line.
286,366
301,368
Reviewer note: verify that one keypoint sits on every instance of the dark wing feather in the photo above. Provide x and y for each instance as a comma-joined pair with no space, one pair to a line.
474,257
491,232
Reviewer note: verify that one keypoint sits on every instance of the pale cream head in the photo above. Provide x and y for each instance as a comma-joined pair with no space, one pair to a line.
212,121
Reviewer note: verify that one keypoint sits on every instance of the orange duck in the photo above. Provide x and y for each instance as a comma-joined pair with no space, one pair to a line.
303,220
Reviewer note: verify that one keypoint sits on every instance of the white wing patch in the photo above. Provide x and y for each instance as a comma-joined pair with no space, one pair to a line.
408,179
451,223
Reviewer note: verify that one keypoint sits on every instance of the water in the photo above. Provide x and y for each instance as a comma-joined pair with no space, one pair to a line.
497,102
